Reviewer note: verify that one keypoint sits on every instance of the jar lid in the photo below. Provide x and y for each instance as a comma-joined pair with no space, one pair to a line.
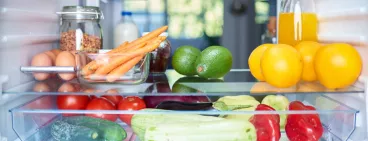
162,34
81,12
126,13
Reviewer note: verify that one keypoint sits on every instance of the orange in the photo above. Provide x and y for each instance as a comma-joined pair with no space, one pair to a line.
254,61
337,65
307,50
281,66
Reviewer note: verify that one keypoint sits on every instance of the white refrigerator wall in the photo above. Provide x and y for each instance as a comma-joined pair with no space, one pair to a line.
28,27
346,21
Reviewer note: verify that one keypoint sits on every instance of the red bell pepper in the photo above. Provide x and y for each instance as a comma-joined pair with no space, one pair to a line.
303,127
267,125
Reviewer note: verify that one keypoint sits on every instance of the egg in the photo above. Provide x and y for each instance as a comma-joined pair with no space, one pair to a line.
89,90
55,51
112,91
65,58
51,55
41,60
67,87
41,87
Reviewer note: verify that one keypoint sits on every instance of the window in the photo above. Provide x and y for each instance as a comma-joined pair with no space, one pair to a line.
261,7
187,19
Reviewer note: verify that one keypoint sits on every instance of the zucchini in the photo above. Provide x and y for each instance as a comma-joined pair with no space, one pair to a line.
141,121
223,130
108,131
63,131
227,103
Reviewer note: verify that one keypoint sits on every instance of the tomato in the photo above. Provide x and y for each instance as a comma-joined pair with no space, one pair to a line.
130,103
72,102
44,102
91,91
114,99
113,96
102,104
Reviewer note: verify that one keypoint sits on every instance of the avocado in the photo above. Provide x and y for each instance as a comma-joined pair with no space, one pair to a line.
214,62
183,60
180,88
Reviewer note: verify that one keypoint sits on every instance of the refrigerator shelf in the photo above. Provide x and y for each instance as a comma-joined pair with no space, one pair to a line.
237,81
32,120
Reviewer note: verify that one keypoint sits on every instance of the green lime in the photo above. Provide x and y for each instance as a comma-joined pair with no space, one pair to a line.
214,62
183,60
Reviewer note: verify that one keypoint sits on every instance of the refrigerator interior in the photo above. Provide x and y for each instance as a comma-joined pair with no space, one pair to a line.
28,27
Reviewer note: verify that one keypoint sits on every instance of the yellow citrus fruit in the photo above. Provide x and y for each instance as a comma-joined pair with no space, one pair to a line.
254,61
307,50
281,66
337,65
264,87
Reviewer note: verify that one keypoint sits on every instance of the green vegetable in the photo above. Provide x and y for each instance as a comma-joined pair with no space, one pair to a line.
178,87
214,62
219,105
184,58
241,116
140,122
222,130
235,102
63,131
108,131
279,103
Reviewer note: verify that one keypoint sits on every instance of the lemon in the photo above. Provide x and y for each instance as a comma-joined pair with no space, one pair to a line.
254,61
281,66
307,50
337,65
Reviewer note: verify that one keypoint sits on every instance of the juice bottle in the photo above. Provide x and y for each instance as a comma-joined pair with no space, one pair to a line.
297,22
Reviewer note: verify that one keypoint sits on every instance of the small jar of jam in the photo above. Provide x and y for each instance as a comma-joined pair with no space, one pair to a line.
160,57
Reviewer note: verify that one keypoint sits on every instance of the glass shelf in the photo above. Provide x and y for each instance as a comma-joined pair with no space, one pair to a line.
33,119
238,81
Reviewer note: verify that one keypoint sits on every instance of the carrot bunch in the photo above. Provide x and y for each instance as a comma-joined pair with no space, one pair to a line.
123,58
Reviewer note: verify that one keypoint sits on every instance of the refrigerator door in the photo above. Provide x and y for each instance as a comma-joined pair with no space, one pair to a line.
346,22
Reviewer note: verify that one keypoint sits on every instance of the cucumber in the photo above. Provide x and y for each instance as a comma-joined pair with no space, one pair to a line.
63,131
108,131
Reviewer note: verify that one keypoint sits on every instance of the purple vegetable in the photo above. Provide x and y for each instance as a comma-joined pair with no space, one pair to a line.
153,101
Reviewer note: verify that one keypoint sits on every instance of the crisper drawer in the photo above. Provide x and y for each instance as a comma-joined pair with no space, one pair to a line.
39,120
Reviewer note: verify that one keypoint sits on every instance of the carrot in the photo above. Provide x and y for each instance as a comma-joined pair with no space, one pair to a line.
142,39
138,47
121,70
135,47
92,66
116,61
122,59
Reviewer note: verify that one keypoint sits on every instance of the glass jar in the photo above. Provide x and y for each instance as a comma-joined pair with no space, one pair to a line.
160,57
268,37
80,29
297,21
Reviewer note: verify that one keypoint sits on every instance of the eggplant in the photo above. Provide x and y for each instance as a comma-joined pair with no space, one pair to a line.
178,105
